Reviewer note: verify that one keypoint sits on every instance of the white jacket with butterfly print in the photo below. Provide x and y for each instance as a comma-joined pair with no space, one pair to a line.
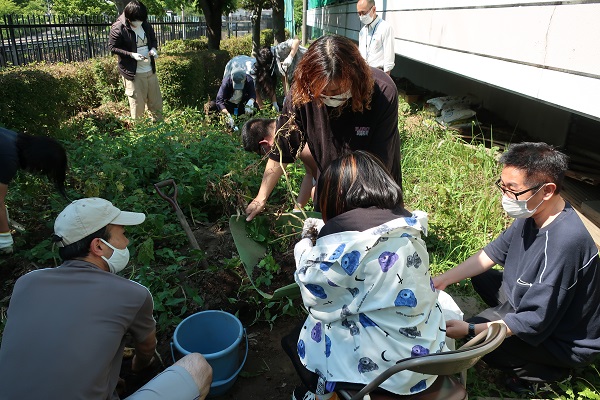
371,303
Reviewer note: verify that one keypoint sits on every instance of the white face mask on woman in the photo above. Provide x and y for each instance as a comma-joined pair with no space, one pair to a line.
336,101
118,260
135,23
518,208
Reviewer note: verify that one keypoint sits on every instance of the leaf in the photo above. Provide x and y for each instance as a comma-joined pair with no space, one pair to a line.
146,252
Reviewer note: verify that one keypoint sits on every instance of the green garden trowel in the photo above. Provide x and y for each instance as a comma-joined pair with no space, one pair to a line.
251,251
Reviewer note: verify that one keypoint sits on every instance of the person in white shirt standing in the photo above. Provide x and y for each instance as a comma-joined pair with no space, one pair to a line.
376,38
133,40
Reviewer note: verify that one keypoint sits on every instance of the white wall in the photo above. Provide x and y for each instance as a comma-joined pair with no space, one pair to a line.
540,50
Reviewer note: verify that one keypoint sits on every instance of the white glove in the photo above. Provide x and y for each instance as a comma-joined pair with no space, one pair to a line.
312,227
230,121
6,243
249,109
153,53
287,62
137,57
276,106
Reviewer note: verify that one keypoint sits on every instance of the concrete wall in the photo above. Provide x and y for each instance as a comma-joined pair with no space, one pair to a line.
534,62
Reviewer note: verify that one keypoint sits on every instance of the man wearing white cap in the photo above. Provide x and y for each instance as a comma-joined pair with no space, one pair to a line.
66,326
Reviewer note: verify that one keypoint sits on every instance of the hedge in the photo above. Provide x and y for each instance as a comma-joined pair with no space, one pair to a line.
36,98
39,98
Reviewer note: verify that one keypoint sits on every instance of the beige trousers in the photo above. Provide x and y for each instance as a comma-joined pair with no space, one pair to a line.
144,91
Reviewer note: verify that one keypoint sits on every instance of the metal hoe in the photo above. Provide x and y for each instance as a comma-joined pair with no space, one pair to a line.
173,202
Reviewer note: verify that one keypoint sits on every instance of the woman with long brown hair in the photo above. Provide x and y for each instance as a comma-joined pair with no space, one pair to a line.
337,104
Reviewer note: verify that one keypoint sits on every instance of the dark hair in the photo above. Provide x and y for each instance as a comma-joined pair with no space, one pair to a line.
254,131
541,162
43,155
333,58
80,248
266,73
357,180
136,11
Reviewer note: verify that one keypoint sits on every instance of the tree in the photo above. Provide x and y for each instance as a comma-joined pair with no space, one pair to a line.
8,7
256,6
213,10
278,7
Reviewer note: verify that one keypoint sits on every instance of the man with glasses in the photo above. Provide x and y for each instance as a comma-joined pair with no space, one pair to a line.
549,290
376,38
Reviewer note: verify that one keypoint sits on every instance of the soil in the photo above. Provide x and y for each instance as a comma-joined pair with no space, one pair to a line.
267,373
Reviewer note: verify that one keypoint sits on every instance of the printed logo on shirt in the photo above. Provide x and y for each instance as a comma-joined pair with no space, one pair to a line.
362,130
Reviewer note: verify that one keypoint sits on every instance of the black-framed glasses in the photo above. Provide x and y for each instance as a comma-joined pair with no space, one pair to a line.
504,190
361,13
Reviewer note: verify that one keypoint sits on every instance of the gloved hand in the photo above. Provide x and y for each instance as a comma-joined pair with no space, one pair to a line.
287,62
230,121
137,57
311,228
276,106
6,243
249,109
153,53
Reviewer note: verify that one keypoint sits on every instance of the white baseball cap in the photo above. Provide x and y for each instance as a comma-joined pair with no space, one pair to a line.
83,217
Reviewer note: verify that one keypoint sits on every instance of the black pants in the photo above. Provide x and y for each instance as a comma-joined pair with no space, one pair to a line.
533,363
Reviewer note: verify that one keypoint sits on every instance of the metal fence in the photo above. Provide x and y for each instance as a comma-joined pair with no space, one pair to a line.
52,38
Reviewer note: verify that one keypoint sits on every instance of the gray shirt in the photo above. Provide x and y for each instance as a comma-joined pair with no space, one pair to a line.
281,51
65,332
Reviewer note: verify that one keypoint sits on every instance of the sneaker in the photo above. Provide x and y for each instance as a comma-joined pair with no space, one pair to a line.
302,393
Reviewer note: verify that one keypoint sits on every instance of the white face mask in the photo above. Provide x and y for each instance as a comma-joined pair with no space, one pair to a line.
118,260
366,19
518,208
135,24
336,101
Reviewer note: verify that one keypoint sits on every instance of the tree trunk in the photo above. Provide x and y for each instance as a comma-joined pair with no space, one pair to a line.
279,21
256,30
213,9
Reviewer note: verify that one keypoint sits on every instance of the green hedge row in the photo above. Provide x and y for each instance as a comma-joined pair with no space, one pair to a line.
39,98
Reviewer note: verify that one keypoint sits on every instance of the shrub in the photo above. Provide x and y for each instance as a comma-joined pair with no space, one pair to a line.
107,79
36,98
188,79
174,47
243,45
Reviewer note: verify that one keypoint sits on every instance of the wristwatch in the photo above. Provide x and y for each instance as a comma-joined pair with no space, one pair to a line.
471,333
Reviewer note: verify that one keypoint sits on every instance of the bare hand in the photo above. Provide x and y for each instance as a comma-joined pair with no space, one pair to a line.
456,329
137,365
437,283
254,208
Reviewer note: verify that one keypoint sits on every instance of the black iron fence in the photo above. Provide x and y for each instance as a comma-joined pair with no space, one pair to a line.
24,39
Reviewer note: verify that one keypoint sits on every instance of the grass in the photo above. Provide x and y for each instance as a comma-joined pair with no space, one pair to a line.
453,182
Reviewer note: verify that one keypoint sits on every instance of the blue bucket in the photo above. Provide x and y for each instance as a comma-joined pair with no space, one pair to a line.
216,335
